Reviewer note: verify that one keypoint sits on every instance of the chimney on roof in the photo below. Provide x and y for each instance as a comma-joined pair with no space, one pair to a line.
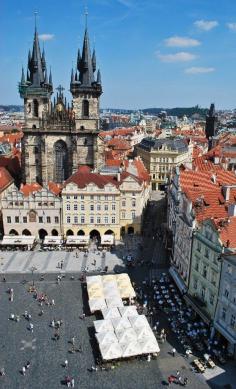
226,192
213,177
118,177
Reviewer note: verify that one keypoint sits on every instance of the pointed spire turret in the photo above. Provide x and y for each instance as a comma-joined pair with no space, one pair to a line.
46,77
72,77
28,76
29,60
43,61
94,61
22,76
99,78
50,78
78,60
37,68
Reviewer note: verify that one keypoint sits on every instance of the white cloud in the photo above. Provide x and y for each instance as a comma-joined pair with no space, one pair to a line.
231,26
206,25
182,56
199,70
180,41
46,37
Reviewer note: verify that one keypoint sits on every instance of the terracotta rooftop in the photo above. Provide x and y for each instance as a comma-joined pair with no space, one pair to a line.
55,188
5,178
226,228
28,189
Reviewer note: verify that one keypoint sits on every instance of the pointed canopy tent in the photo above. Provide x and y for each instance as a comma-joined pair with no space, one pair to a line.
103,325
120,323
108,278
110,313
111,351
126,336
93,279
127,293
96,293
131,349
106,338
121,277
97,304
129,310
149,346
144,332
94,286
114,302
138,321
111,293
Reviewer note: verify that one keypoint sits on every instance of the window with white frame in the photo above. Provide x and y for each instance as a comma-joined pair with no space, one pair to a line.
68,219
82,207
105,207
123,215
82,197
106,220
113,207
68,207
91,207
98,219
133,203
113,219
98,207
75,219
123,203
91,219
75,207
82,219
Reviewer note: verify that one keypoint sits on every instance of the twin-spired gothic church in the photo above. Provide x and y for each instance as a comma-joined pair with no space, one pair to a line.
59,137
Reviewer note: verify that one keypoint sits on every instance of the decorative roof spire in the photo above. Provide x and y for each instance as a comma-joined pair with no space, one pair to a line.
50,77
29,60
99,78
72,78
22,76
46,77
37,66
78,60
94,60
43,61
86,69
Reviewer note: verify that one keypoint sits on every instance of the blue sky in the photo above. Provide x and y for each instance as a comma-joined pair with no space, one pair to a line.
152,53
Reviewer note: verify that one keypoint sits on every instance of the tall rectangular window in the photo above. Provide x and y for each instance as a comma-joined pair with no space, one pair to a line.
82,219
48,219
68,219
17,219
106,219
8,219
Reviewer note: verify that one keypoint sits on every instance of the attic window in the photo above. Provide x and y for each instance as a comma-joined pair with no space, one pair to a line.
195,184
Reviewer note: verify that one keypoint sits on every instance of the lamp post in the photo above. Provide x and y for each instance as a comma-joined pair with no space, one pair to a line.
33,269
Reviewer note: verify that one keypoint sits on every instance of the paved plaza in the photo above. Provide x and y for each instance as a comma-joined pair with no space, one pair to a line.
19,345
47,261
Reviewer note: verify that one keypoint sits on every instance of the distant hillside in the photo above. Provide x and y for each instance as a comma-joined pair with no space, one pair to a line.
189,111
11,108
177,111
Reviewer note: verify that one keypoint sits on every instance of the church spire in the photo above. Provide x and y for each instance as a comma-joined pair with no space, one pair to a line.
50,77
99,78
86,76
94,61
37,66
43,61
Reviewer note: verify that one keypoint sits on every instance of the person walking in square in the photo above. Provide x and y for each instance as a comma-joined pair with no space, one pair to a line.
173,351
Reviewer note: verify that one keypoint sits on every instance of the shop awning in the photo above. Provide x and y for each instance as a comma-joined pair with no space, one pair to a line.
81,240
189,300
178,281
18,240
223,331
107,240
52,240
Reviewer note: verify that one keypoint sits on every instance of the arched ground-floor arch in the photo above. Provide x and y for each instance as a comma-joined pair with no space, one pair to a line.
80,232
69,232
130,230
42,233
13,232
54,232
95,235
109,232
26,232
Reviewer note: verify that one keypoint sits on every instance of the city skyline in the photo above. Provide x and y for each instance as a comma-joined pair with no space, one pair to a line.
177,54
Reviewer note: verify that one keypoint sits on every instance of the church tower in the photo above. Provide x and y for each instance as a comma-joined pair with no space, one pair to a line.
36,89
86,89
211,124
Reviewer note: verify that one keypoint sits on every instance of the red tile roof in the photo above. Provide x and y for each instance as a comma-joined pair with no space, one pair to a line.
227,228
202,164
28,189
5,178
55,188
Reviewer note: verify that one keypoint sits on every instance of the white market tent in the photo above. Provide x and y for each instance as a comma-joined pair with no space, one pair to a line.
52,240
111,351
106,338
138,321
131,349
18,240
97,304
127,293
120,323
77,240
93,279
110,313
126,336
108,278
103,325
114,302
149,346
144,332
96,293
107,240
129,310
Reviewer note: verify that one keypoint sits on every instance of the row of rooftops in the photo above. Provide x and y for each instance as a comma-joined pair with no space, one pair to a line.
176,144
213,197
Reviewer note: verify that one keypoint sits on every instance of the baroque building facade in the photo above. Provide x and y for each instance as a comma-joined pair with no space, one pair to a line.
59,137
